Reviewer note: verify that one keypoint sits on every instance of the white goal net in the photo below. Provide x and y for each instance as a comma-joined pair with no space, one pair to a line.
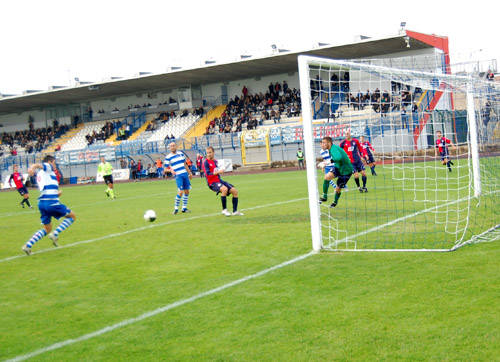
424,149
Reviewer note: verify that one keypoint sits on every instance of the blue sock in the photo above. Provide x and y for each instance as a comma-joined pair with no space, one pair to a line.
64,225
177,201
332,183
185,201
37,236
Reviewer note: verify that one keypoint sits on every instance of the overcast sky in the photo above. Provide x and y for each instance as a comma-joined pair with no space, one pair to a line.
50,42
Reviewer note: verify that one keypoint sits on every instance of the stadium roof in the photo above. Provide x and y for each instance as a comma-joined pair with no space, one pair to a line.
282,62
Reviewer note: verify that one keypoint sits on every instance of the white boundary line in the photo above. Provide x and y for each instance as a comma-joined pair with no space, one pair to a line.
181,302
88,241
152,313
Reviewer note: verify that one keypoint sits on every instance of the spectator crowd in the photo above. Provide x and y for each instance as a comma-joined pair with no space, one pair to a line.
32,140
106,131
251,110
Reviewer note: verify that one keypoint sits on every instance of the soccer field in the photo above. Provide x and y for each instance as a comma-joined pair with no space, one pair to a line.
204,286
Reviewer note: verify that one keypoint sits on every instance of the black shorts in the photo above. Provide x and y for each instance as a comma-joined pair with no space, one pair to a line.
22,191
370,159
108,179
358,166
216,186
342,180
444,154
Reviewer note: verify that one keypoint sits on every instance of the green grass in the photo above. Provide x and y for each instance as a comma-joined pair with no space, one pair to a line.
327,306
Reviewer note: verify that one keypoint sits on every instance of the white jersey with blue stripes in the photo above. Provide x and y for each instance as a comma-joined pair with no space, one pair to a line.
47,184
176,162
327,158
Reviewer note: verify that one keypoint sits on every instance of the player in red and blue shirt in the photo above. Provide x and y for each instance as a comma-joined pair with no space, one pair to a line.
353,148
368,148
21,188
442,146
216,184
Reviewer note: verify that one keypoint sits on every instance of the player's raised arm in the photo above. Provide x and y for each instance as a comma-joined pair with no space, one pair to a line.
32,169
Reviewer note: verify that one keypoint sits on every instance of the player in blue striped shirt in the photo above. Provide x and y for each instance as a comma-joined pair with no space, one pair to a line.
48,203
180,169
329,167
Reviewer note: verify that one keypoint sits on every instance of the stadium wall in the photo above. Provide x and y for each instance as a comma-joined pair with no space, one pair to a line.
19,121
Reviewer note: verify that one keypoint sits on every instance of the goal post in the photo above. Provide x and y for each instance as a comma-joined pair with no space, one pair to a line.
312,184
255,147
420,188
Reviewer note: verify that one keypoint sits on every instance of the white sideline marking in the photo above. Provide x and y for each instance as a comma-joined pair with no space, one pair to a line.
152,313
181,302
143,228
197,296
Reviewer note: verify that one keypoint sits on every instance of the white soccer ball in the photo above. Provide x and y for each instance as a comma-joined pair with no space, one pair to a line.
150,215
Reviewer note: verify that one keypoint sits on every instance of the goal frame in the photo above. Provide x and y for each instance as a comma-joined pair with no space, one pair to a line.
304,61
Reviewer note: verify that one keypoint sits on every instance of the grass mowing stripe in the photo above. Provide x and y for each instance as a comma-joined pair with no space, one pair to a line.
179,303
144,228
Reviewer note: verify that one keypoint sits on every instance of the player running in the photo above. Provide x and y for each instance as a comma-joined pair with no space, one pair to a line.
21,188
180,170
216,184
353,148
342,169
48,203
368,148
442,146
106,171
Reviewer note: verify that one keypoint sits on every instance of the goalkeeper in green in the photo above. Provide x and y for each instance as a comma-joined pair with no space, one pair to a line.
342,169
106,171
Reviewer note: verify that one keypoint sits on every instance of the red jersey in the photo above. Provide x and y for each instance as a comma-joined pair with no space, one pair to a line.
353,149
367,147
58,175
18,180
441,144
199,161
208,167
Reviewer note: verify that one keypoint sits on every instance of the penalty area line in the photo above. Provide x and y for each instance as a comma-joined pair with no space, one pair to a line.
142,228
157,311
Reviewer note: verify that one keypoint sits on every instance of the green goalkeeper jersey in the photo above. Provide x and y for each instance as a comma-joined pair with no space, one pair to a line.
105,169
341,160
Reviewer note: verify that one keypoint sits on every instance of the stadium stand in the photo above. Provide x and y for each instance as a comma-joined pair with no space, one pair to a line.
58,143
35,138
174,127
79,140
200,127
